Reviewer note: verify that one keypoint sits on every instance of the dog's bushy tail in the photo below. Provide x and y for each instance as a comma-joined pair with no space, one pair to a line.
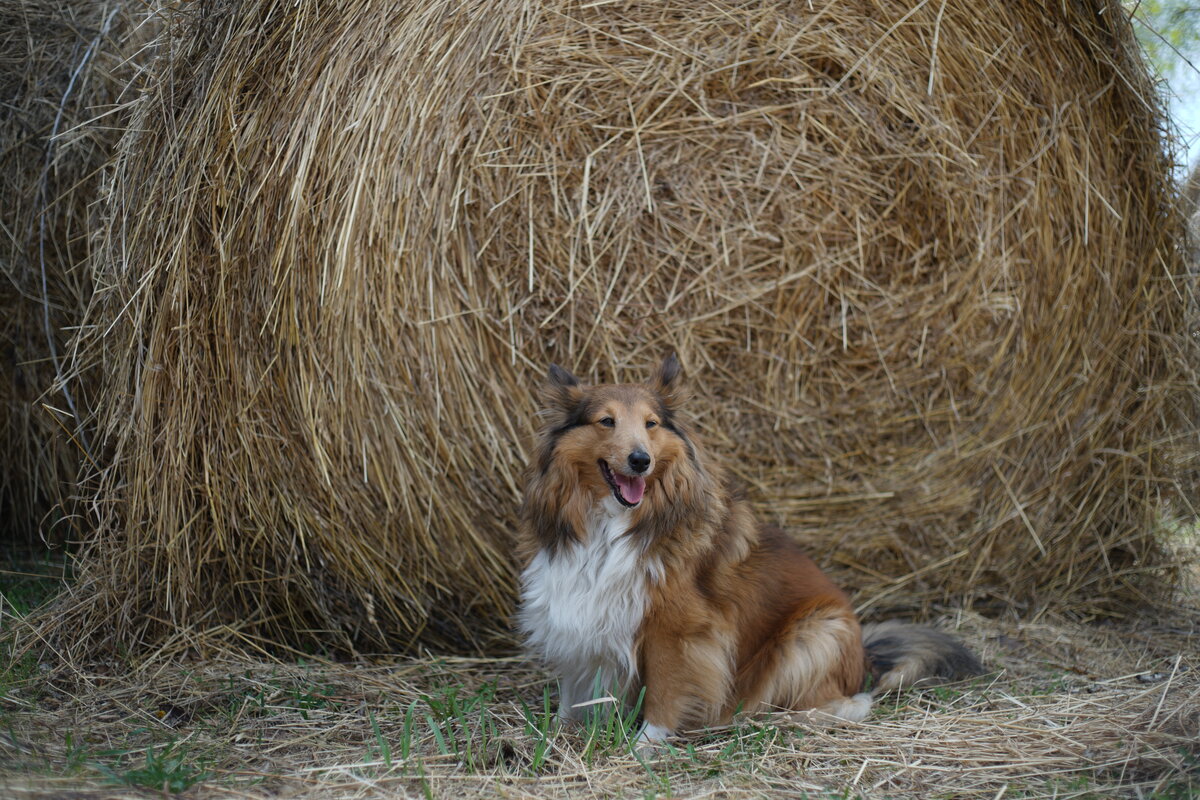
901,655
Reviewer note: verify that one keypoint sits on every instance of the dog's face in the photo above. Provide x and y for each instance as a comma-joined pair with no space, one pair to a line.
618,439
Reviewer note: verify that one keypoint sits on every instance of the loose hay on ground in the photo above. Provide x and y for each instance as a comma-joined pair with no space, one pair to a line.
921,260
1071,712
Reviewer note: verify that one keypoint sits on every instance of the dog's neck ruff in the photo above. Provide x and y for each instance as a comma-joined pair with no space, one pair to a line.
582,606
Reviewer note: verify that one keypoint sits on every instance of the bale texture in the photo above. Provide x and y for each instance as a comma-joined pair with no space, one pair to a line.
1191,215
64,68
920,260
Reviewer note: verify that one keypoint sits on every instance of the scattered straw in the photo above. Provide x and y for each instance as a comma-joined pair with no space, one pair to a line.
1069,712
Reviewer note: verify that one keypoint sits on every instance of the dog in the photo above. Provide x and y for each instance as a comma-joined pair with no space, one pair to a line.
645,570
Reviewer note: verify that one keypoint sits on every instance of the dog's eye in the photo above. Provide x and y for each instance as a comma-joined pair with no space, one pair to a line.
651,424
608,422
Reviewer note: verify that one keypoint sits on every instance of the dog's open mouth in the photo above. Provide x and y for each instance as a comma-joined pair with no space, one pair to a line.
628,491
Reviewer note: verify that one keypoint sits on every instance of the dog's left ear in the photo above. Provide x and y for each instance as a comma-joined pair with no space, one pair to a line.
561,390
667,381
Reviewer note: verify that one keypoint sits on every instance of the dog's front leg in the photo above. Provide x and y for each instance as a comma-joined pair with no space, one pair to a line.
686,676
571,691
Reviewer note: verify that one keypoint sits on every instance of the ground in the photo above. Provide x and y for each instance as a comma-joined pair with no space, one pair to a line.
1069,710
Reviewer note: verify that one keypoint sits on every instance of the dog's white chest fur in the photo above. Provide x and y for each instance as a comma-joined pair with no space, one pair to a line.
582,606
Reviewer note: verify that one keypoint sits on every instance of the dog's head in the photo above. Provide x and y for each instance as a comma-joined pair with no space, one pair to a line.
617,439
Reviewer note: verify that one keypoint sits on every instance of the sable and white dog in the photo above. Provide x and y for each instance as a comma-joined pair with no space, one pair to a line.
644,569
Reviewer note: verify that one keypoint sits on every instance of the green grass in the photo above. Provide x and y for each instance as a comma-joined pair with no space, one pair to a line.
1178,791
17,672
275,695
170,769
170,766
609,730
538,727
383,751
30,579
740,749
462,725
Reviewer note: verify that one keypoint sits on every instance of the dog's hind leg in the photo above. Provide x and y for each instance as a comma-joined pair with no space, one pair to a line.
816,663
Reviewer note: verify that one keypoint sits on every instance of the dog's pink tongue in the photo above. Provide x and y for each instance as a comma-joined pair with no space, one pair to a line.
632,489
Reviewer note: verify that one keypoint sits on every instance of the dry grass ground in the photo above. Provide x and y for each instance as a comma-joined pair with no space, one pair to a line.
1070,711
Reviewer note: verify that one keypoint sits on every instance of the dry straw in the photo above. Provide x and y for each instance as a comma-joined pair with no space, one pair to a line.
65,73
921,261
1191,215
1069,713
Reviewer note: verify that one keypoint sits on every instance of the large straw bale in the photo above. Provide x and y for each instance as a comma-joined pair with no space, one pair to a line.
1191,216
64,65
921,261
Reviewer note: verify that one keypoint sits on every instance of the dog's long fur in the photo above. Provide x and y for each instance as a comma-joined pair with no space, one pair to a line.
645,569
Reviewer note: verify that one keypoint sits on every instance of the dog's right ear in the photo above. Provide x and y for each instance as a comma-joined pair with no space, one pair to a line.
562,389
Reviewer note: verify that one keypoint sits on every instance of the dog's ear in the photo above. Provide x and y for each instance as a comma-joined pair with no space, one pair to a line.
560,377
562,390
668,383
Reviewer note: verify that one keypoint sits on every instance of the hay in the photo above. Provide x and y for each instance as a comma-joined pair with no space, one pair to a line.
920,260
1191,215
1070,711
63,68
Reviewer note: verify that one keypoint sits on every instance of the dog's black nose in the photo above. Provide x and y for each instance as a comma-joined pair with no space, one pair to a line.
639,461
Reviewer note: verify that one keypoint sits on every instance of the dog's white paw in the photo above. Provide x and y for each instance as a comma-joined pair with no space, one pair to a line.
654,733
650,739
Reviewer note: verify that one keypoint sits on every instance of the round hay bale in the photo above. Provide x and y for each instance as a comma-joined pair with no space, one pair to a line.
63,67
1191,216
920,262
